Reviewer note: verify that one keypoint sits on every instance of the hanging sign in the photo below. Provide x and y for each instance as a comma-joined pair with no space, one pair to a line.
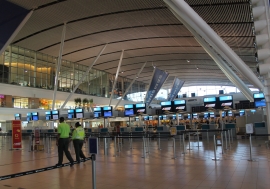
158,79
16,134
177,85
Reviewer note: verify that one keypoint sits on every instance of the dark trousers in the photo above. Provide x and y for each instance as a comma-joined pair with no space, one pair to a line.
78,144
63,147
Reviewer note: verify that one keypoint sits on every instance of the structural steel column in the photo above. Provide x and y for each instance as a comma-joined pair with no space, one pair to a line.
16,31
83,77
185,12
136,76
116,76
59,63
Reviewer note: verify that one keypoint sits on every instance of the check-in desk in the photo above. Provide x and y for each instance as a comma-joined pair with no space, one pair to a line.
208,127
163,129
137,129
180,128
260,128
232,127
27,132
125,129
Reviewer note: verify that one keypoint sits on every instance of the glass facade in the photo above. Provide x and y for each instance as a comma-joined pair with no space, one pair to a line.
19,66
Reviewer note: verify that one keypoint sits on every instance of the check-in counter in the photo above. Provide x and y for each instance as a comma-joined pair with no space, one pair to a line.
231,126
163,129
125,129
260,128
103,130
208,127
137,129
88,130
27,131
180,128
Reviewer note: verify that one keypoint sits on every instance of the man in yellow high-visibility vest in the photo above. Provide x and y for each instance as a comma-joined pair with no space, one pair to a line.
78,140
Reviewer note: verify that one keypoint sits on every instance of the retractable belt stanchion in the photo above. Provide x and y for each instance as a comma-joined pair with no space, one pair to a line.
159,148
229,137
148,144
198,140
184,144
93,158
50,143
189,141
226,142
207,135
250,149
105,146
215,150
144,153
130,141
232,135
118,144
10,140
174,155
30,143
221,135
115,150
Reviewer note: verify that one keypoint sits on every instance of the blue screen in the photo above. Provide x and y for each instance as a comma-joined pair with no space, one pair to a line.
70,111
107,108
140,105
150,117
78,110
97,114
48,117
168,103
179,102
97,109
206,115
35,118
129,106
210,99
129,112
34,113
224,98
260,104
55,112
258,95
47,113
70,116
108,114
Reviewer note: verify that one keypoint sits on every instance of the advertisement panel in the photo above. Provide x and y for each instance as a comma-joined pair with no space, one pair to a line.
16,134
177,85
158,79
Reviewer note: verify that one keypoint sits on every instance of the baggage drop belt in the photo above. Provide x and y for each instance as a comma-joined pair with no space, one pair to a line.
5,177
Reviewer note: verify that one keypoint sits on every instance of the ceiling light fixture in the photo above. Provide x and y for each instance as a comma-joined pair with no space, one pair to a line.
188,60
122,72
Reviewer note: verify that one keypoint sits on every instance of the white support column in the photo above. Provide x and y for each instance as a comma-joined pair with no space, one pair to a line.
136,76
185,12
16,31
59,63
221,64
116,76
35,70
83,77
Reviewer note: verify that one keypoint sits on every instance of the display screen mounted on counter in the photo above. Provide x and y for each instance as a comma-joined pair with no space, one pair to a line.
79,113
140,108
71,113
17,116
48,115
107,111
35,116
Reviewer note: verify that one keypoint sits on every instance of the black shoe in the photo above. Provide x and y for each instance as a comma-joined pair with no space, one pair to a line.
83,159
58,164
71,164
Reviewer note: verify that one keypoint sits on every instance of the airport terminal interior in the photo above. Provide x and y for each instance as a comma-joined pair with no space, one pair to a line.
170,93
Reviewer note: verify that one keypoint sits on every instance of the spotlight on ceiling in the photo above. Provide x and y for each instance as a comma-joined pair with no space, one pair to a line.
188,60
122,72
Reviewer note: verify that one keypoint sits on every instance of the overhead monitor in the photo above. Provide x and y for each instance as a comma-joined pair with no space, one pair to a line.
48,115
164,117
212,114
168,103
129,106
79,113
55,114
209,99
174,117
17,116
97,112
206,115
129,112
177,102
230,113
225,98
107,111
166,108
195,116
258,95
150,117
35,116
71,114
242,112
210,105
137,119
140,108
260,104
145,118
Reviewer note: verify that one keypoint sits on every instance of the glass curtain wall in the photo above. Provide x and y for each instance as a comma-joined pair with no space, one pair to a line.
19,66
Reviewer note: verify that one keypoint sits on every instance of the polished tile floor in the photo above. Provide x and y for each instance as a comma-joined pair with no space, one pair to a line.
128,170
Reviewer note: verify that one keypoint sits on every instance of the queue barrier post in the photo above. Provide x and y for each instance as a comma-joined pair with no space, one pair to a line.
93,158
174,154
198,140
207,135
226,142
189,141
232,135
250,149
229,137
115,146
10,140
30,143
105,146
222,144
144,153
184,144
131,141
215,150
118,144
159,147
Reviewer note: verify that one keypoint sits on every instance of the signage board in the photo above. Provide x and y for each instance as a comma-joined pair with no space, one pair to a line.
173,131
92,145
16,134
249,128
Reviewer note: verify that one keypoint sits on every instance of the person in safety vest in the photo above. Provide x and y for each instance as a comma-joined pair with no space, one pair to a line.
78,140
62,141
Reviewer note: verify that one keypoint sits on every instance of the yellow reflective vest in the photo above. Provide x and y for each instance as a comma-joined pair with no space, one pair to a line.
78,133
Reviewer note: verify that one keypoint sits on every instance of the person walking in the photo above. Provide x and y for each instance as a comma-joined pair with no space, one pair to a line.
78,140
62,141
